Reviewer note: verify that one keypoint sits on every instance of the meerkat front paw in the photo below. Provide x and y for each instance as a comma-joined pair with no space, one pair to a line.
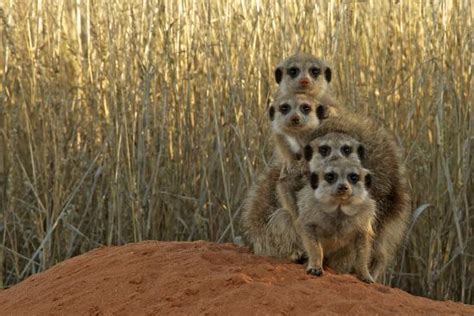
366,278
317,271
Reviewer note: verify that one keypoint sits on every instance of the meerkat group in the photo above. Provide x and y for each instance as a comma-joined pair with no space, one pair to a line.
336,190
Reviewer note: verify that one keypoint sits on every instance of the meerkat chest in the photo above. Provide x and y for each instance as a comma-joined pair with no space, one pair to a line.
293,143
336,225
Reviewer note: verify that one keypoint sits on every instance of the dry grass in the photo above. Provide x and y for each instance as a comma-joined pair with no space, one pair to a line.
122,121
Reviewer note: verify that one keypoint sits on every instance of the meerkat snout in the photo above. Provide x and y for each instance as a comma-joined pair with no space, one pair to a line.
342,188
304,82
343,191
295,120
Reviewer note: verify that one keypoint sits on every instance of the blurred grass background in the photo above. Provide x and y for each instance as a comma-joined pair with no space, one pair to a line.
129,120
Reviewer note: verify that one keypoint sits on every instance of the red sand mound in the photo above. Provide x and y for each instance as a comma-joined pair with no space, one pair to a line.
202,278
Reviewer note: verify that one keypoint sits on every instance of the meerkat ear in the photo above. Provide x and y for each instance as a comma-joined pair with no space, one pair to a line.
368,180
278,74
361,152
271,112
313,180
321,112
308,152
328,74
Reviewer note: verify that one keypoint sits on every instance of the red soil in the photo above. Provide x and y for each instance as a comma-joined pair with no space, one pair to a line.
202,278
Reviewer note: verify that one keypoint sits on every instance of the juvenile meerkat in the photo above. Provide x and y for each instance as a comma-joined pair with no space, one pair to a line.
336,218
304,74
378,153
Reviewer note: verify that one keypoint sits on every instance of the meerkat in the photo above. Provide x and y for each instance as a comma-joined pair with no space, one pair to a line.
304,74
379,153
336,218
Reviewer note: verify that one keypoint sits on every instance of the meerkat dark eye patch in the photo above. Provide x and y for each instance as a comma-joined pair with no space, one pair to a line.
314,180
328,74
293,72
330,177
308,152
361,152
278,75
271,113
368,180
315,72
324,150
305,108
284,108
353,178
346,150
321,112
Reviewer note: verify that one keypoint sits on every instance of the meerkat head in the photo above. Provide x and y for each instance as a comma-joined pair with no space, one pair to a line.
333,146
303,73
295,114
340,184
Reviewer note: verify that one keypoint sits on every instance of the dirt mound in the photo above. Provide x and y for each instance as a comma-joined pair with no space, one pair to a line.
202,278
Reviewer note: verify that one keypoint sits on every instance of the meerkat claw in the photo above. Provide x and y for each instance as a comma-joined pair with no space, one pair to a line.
315,271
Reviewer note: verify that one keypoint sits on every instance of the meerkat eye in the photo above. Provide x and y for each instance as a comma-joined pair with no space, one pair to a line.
346,150
305,108
284,108
324,150
330,177
353,178
315,71
293,72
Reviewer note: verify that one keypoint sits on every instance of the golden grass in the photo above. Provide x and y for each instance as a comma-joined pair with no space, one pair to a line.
129,120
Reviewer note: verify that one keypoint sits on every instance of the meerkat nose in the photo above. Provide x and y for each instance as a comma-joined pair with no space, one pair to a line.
304,81
342,188
295,120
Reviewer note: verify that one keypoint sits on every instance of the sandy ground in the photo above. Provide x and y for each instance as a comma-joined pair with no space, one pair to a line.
202,278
